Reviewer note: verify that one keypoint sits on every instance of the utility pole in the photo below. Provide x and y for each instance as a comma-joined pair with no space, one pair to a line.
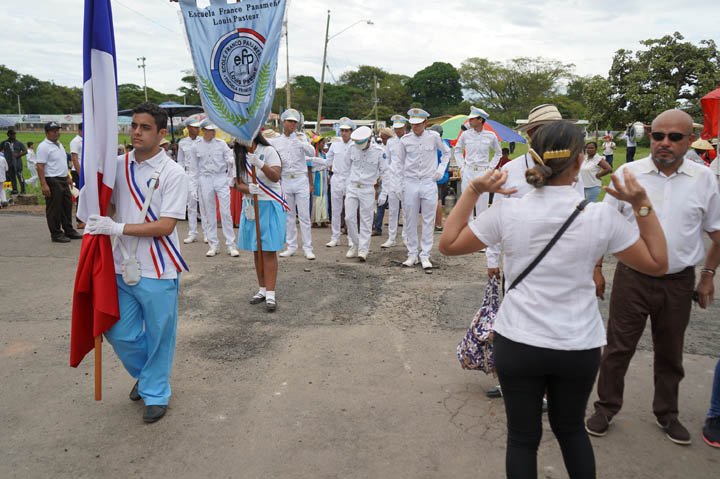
142,65
375,95
322,74
287,66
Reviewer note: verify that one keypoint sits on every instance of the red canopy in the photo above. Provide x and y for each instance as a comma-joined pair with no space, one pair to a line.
711,113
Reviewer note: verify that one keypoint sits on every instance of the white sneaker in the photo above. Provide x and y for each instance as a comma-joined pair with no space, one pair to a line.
388,244
233,251
332,243
410,261
190,239
211,252
363,256
352,252
426,264
287,253
309,255
205,240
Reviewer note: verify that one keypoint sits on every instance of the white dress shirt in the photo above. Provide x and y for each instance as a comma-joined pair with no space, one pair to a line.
417,156
686,203
338,158
476,146
214,158
555,305
54,157
76,147
392,180
293,154
367,166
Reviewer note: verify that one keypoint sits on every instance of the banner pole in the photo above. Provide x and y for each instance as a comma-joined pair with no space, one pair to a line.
98,368
257,226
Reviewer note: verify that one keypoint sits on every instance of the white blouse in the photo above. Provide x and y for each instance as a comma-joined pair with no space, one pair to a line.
589,168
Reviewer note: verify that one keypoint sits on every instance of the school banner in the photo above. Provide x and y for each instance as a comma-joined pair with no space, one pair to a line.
234,47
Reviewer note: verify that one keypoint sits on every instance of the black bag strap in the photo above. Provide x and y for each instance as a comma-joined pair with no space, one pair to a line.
581,206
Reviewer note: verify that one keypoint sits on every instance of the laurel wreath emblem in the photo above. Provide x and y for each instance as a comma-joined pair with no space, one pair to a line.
217,101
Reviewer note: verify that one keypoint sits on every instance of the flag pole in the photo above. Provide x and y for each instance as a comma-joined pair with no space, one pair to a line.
98,368
257,227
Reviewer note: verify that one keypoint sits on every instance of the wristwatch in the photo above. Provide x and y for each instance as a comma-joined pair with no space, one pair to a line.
643,211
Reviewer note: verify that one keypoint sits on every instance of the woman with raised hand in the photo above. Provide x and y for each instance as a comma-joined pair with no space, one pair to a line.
548,330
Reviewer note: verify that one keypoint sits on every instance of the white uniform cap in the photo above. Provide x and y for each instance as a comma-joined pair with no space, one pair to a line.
398,121
476,112
346,123
417,115
195,123
290,114
209,126
361,135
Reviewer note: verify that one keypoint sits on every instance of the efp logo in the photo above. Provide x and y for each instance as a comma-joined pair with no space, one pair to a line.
235,63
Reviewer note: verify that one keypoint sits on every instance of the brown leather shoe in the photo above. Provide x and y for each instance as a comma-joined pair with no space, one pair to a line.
598,424
675,431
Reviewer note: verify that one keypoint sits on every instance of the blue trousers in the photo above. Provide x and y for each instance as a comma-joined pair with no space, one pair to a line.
715,397
379,216
144,337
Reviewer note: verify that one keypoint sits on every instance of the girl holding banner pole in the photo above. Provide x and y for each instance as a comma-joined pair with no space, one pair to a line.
263,214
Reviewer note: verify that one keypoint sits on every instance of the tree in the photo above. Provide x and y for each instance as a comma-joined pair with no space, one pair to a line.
595,93
509,90
669,73
190,89
36,96
436,88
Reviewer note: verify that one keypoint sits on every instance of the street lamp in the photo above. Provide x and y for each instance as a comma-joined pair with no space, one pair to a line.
142,65
322,74
18,99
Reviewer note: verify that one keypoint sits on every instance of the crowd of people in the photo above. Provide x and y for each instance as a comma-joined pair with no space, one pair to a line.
550,340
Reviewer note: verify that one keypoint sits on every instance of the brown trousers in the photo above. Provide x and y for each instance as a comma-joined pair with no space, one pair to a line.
635,296
58,207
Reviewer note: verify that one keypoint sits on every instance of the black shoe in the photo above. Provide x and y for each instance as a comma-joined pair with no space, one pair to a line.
270,305
61,239
154,413
134,394
257,299
73,235
495,392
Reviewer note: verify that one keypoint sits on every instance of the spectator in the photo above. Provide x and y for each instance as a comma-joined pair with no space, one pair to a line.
13,151
76,148
3,172
608,148
593,168
711,429
31,164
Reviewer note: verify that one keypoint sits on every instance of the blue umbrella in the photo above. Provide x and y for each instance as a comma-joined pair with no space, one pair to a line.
505,133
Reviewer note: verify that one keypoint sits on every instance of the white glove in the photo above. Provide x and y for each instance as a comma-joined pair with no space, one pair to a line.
382,198
104,225
255,160
437,176
254,189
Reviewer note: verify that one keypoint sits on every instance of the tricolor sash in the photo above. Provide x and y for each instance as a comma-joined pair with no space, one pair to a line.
267,190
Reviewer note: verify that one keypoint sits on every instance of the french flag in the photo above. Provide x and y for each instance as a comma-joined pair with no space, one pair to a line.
95,298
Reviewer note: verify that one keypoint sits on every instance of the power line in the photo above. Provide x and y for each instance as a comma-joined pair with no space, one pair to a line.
146,17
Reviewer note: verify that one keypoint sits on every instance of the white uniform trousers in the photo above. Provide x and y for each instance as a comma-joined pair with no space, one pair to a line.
420,197
394,199
338,189
209,186
362,198
192,207
470,173
297,194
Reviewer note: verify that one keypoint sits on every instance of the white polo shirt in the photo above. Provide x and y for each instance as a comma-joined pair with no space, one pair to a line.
169,200
293,154
54,157
687,203
476,146
367,166
338,158
555,305
417,156
76,147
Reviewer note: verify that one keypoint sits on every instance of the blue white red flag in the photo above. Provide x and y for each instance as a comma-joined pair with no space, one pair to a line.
95,304
234,48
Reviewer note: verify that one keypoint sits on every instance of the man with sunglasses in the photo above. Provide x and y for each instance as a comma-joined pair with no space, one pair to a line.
685,197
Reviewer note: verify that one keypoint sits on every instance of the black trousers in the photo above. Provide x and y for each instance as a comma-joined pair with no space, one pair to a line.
58,207
15,172
526,373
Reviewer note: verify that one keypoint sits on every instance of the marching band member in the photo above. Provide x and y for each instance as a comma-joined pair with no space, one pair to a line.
187,158
338,160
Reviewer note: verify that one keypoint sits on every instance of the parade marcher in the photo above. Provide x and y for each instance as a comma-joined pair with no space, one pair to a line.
144,336
472,153
14,151
31,164
368,163
216,170
187,158
443,183
338,160
384,134
319,199
593,168
417,159
297,182
548,330
393,182
55,184
687,202
3,172
271,212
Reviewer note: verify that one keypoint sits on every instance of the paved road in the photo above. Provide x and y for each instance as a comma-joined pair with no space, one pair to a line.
355,376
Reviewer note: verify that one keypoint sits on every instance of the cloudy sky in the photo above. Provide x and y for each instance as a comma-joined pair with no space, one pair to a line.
44,37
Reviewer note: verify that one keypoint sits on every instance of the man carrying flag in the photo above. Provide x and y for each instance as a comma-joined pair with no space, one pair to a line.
149,197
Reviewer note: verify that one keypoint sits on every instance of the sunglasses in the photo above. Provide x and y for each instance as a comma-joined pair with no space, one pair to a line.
672,136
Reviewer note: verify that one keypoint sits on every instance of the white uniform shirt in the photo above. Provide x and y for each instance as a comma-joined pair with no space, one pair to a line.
516,169
3,170
338,158
271,158
293,153
187,155
555,305
367,166
31,157
76,147
54,157
168,200
215,158
589,168
417,156
392,181
477,145
686,203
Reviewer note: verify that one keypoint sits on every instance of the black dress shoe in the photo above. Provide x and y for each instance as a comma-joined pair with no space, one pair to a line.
134,394
74,235
154,413
258,298
494,392
61,239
